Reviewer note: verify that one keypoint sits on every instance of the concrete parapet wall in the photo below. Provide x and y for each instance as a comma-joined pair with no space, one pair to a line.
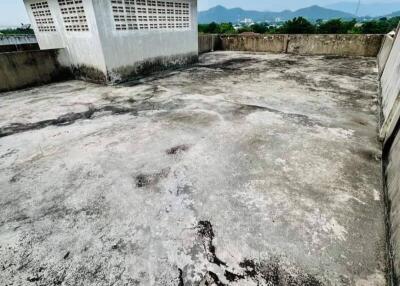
342,45
384,52
29,68
17,40
392,178
390,89
16,48
18,43
389,64
255,43
209,43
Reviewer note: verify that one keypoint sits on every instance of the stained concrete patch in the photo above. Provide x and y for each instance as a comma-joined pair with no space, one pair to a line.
247,169
178,149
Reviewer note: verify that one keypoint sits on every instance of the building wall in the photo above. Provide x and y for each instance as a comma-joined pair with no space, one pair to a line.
46,39
131,53
82,49
102,52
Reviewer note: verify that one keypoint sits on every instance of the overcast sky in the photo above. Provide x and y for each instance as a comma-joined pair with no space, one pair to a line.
12,12
277,5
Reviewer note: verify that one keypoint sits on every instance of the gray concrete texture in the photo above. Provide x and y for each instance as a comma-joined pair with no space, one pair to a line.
390,90
246,169
392,176
7,40
18,43
342,45
208,43
389,59
28,68
384,52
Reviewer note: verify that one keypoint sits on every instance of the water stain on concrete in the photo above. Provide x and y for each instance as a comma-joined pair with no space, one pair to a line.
146,180
262,273
177,149
206,233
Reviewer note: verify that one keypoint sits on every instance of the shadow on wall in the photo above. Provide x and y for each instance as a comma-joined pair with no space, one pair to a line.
30,68
19,48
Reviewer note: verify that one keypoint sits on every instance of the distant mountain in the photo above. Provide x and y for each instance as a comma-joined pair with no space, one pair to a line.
394,14
366,9
221,14
316,12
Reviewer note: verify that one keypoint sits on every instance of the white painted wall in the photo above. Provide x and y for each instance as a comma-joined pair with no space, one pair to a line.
127,48
384,52
105,48
80,48
84,48
47,40
390,89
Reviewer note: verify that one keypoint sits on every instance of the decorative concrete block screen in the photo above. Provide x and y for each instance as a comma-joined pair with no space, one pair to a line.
151,15
73,13
43,18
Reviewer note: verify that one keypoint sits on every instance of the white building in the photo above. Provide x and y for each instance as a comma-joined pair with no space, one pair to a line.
247,21
114,40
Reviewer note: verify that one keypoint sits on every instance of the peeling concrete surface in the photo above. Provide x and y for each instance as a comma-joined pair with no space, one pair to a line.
246,169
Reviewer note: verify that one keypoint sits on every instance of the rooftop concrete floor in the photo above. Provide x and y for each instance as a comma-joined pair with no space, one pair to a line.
246,169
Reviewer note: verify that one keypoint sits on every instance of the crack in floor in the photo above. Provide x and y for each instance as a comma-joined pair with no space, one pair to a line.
70,118
65,119
299,118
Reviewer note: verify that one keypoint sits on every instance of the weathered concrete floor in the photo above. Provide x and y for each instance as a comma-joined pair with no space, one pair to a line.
249,169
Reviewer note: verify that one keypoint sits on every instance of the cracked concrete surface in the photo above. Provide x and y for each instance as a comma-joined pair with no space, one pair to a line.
246,169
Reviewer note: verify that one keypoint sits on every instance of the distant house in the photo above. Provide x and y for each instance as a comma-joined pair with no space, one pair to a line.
113,40
247,21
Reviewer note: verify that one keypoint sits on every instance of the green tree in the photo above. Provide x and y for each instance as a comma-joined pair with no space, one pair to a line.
393,23
226,28
17,31
381,26
260,28
374,27
245,29
212,28
298,25
335,26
